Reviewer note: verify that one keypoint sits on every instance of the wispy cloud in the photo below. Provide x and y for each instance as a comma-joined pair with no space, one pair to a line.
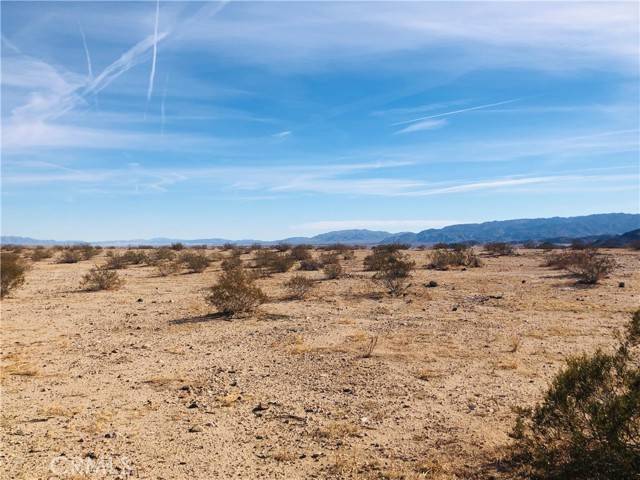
456,112
423,125
283,134
86,53
155,52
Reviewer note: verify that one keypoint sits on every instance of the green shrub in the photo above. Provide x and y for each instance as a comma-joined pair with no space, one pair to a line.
194,261
101,278
299,286
394,272
235,292
12,271
588,424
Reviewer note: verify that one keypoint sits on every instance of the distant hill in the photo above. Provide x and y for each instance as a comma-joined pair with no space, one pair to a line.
617,241
599,227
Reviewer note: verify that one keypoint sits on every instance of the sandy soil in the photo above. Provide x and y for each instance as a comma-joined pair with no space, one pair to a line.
144,382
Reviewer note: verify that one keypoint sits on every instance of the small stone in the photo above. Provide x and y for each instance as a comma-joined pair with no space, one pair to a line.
139,300
621,285
193,404
195,429
431,284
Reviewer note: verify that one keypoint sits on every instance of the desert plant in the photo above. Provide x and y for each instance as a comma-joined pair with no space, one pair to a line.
332,270
12,271
591,268
301,252
194,261
116,261
370,347
299,286
177,246
310,265
273,262
328,258
229,263
442,259
135,257
282,247
588,424
162,254
394,272
87,252
500,248
69,255
40,253
235,292
101,278
167,267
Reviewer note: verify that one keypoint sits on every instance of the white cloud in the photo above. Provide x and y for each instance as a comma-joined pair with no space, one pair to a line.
423,125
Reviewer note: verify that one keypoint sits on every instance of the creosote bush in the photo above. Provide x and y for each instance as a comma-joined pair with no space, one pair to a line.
587,265
12,270
167,267
101,278
500,248
299,286
394,271
229,263
40,253
588,424
196,262
442,259
310,265
116,261
301,252
332,270
161,255
273,262
236,292
69,256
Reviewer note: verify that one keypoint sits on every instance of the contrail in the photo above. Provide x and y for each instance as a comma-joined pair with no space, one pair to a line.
155,52
478,107
86,52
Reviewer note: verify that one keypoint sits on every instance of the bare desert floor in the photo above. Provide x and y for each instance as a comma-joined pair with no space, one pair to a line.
146,382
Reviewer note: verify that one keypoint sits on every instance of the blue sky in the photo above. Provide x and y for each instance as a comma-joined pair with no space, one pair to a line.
267,119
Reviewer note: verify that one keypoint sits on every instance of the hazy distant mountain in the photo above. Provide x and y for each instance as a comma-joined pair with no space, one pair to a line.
598,226
624,240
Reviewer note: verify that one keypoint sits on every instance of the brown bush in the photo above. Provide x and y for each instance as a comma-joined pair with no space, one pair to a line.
116,261
229,263
441,259
273,262
301,252
235,292
195,261
332,270
40,253
101,278
588,265
299,286
167,267
500,249
12,271
69,256
310,265
135,257
177,246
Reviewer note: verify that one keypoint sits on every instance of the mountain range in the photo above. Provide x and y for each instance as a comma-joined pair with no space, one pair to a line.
599,227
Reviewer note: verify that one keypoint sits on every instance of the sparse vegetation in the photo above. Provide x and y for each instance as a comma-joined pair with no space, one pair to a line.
167,267
40,253
160,255
235,293
273,262
101,278
500,249
116,261
393,270
332,270
310,265
12,271
299,286
196,262
443,259
69,255
588,424
588,265
177,246
301,252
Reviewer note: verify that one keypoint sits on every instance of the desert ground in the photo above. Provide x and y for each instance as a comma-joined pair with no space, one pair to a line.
147,382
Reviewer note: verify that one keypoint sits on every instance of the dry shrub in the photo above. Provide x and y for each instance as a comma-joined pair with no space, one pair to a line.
329,258
588,265
442,259
40,253
167,267
378,257
160,255
135,257
395,272
500,249
69,255
588,424
236,292
370,347
310,265
116,261
177,246
299,286
332,270
301,252
101,278
273,262
87,252
229,263
195,261
282,247
12,271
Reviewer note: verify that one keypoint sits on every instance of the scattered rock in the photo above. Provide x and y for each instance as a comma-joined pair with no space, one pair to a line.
621,285
139,300
193,404
195,429
259,408
431,284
